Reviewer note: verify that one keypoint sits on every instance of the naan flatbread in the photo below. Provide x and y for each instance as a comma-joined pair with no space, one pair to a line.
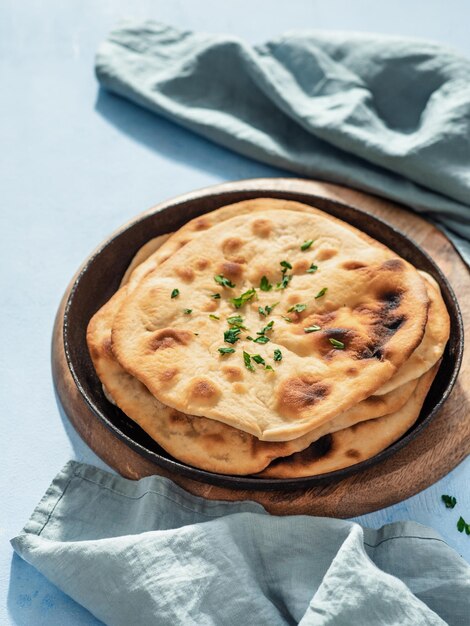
353,445
205,443
375,304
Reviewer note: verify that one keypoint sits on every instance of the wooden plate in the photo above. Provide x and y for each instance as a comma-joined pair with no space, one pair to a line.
102,425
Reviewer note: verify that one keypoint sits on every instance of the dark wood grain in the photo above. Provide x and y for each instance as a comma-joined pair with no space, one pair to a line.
437,450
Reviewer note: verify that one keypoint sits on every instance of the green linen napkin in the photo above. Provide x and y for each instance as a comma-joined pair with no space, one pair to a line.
386,115
147,552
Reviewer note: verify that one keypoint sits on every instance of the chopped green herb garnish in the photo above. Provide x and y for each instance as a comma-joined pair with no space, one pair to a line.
288,319
306,245
284,282
313,268
267,309
449,501
236,320
226,350
257,358
269,368
265,285
214,317
312,329
336,344
247,361
175,293
297,308
243,298
277,355
463,526
221,280
266,329
231,335
187,311
285,266
260,339
216,296
321,293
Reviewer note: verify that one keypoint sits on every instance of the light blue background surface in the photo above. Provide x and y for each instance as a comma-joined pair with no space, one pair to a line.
74,165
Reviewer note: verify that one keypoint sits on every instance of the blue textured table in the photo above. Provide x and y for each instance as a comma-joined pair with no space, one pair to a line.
75,164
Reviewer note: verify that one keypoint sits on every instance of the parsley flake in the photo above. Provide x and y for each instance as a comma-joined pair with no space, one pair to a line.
187,311
269,368
266,329
214,317
247,361
336,344
257,358
267,309
265,285
449,501
216,296
321,293
285,266
175,293
260,339
288,319
225,282
243,298
306,245
231,335
463,526
284,282
235,320
277,355
312,329
297,308
226,350
313,268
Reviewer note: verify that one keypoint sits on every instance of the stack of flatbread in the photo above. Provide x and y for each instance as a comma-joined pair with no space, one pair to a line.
270,338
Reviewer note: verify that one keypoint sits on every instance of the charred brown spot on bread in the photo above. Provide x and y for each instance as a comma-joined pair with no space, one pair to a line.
318,450
300,393
202,223
204,390
395,321
168,375
176,417
185,273
239,388
394,265
202,263
293,298
301,266
183,242
262,227
232,373
372,350
353,454
353,265
169,338
231,270
326,253
107,347
352,371
231,245
390,300
210,306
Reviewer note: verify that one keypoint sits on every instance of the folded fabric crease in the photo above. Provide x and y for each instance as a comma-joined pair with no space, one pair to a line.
142,552
387,115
